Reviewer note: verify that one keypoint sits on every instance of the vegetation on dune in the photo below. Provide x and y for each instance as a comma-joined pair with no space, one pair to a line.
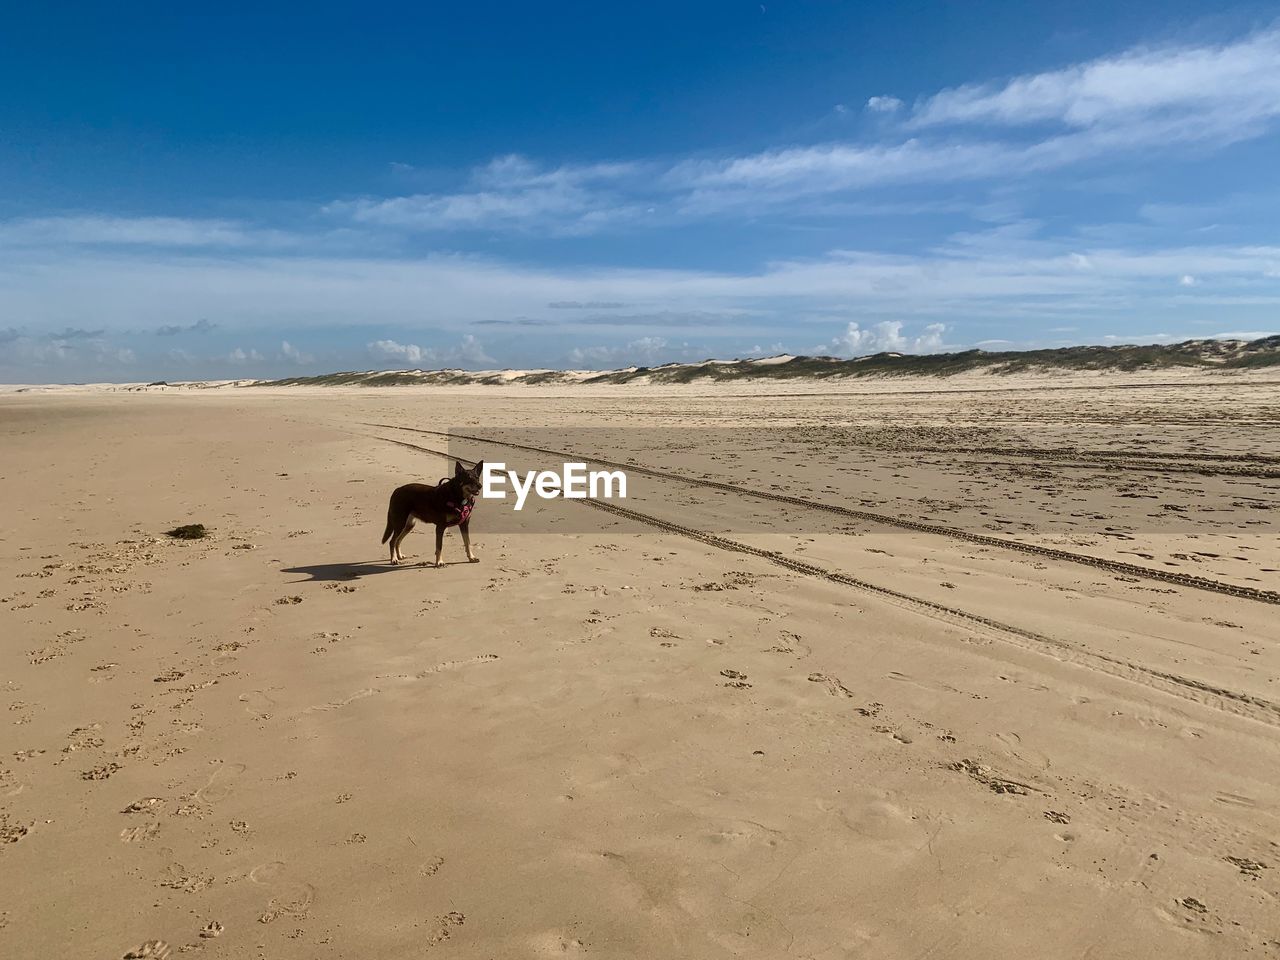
1202,354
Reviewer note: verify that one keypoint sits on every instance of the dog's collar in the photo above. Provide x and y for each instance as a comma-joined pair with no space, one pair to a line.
463,510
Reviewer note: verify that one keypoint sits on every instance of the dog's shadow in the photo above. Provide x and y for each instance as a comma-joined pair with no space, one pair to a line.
325,572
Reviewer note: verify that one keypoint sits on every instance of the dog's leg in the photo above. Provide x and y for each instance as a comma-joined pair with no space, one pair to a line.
464,529
439,543
397,556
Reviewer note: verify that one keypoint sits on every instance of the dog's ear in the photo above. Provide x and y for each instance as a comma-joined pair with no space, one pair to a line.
458,469
478,469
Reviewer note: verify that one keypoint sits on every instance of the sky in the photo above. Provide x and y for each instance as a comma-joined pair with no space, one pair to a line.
265,190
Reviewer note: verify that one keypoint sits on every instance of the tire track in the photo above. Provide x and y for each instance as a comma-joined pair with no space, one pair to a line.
1228,465
1051,553
1189,688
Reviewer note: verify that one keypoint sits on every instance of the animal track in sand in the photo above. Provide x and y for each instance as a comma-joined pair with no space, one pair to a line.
454,664
339,704
258,704
443,927
290,898
431,867
554,943
141,834
444,667
83,738
151,950
145,805
745,832
11,832
1248,868
222,782
177,877
878,817
834,687
928,684
1013,746
895,734
790,643
986,776
101,772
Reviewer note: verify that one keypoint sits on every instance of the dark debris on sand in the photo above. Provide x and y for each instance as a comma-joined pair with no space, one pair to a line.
191,531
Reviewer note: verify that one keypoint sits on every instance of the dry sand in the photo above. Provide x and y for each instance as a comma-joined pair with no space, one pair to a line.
631,739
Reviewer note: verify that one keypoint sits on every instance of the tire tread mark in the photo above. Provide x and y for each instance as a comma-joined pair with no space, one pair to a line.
1229,701
1052,553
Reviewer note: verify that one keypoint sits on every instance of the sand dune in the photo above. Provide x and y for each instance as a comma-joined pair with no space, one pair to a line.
894,670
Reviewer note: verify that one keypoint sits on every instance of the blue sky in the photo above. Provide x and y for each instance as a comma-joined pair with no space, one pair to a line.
259,191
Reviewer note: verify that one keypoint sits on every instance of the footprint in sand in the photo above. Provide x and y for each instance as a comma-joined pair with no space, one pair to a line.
454,665
432,867
554,943
290,897
151,950
748,833
834,687
177,877
139,834
880,818
339,704
443,927
221,783
257,704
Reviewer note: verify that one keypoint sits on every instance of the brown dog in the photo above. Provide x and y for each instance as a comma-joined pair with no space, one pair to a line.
447,504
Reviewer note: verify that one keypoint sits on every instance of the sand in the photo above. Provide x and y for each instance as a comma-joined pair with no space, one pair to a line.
721,725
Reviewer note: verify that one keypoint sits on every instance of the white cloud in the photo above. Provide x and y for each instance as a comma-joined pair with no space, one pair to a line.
1237,79
884,104
240,356
469,352
642,352
1139,100
137,231
293,354
406,353
886,337
1186,280
1244,335
510,192
1143,99
86,348
106,353
128,293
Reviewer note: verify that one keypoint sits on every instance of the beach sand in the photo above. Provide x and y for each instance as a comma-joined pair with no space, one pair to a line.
723,726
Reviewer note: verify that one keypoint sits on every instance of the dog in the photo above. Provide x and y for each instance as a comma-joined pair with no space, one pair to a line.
447,504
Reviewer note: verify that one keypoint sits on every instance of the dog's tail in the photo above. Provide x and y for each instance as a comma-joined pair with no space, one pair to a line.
391,522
